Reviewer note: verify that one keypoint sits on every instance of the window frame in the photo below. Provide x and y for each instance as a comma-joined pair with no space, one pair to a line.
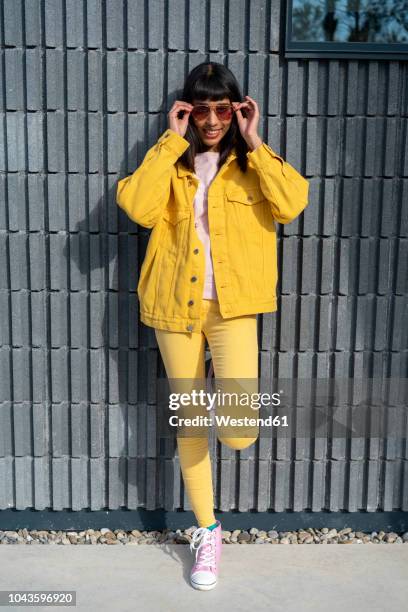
344,50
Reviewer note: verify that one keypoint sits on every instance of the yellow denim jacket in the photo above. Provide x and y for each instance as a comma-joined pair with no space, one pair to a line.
242,210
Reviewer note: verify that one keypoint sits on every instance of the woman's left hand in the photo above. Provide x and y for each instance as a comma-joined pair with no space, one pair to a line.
248,125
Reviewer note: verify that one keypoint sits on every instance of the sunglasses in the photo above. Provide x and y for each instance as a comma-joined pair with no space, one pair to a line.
223,111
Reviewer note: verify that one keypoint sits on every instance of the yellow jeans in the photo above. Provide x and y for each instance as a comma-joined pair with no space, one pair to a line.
233,344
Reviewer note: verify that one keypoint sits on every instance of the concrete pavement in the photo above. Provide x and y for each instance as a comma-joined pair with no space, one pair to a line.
152,578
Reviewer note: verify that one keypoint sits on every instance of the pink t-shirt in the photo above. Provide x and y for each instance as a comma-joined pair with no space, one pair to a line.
205,170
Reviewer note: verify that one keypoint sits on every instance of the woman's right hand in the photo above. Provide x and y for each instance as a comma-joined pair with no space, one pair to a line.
175,123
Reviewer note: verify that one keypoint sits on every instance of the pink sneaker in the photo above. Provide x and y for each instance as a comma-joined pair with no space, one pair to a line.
205,569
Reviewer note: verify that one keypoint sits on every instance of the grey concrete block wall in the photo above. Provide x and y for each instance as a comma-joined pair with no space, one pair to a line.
85,90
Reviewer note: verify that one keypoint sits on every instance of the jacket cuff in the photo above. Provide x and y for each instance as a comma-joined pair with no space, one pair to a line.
262,154
173,141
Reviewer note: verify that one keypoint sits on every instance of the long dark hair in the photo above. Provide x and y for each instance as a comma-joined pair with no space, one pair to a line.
213,81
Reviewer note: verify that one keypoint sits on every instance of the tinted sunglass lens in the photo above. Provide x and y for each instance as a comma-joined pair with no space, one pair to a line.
224,112
200,112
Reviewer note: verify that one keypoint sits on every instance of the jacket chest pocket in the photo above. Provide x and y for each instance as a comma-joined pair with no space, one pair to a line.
175,225
249,196
248,205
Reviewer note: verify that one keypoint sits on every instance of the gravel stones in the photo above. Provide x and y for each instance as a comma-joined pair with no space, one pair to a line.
167,536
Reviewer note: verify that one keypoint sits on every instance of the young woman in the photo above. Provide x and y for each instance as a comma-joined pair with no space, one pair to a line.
212,190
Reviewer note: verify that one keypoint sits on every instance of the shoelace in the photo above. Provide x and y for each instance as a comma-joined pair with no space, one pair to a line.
203,536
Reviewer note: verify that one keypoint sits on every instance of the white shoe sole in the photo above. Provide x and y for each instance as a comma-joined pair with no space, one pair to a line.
203,587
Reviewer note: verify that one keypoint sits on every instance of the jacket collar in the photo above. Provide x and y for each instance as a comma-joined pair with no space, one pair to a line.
183,171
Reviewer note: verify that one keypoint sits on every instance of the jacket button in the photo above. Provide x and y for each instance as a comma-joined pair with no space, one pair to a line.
193,279
190,327
190,302
250,198
195,251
